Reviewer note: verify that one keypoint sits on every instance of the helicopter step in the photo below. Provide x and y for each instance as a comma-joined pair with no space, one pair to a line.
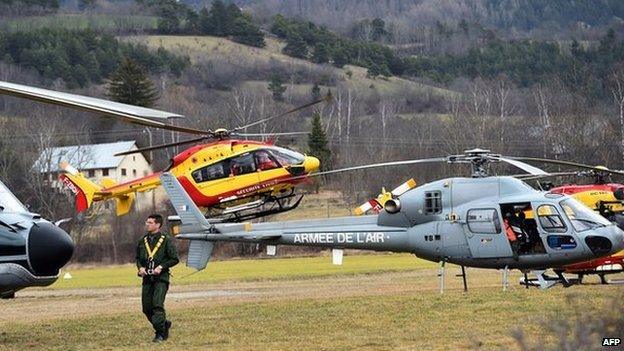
263,207
247,206
251,210
544,281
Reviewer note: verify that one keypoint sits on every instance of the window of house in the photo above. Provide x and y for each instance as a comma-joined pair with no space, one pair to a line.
433,202
91,173
123,172
105,172
134,173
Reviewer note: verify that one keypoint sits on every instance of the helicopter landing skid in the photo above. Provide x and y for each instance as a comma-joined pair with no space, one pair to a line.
263,207
544,281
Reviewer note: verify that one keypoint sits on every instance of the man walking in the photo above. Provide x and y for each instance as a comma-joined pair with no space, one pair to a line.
155,254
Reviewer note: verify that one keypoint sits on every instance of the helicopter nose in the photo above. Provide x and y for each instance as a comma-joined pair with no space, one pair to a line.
618,239
611,241
311,164
49,248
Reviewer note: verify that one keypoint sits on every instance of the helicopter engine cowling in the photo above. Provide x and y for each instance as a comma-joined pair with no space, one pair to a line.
407,210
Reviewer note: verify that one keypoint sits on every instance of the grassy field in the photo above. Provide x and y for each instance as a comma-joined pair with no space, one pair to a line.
246,270
373,302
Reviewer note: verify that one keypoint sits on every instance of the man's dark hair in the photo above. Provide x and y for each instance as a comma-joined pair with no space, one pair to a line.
157,218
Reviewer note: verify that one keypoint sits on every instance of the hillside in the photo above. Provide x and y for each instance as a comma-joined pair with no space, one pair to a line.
204,48
517,17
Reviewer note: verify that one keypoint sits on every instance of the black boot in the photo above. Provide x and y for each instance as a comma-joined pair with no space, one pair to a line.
167,327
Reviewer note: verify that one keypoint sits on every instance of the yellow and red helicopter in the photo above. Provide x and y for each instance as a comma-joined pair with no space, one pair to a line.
602,196
237,179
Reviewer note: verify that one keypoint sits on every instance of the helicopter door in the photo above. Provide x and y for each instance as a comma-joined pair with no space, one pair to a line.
267,165
242,175
484,234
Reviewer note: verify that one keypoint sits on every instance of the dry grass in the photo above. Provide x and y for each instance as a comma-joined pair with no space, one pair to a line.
372,311
202,48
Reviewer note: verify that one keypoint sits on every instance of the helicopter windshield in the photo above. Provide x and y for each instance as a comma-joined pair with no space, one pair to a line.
582,218
8,201
286,157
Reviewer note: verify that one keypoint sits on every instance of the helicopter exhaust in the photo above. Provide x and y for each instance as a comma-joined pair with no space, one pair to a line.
392,206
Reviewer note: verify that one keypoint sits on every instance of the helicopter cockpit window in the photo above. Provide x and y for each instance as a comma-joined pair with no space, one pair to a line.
550,219
286,157
433,202
582,218
483,221
264,160
208,173
242,164
8,201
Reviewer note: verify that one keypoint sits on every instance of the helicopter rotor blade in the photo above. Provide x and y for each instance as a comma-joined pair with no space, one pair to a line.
378,165
161,146
370,166
542,176
143,116
270,134
568,163
523,166
327,98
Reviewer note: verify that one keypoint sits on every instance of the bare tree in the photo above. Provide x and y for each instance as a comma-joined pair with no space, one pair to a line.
243,105
616,85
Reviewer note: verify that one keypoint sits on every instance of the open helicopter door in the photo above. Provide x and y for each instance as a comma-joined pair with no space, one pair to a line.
485,235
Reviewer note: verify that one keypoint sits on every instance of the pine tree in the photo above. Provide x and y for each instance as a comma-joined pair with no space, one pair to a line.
168,22
316,92
296,47
277,88
86,4
340,58
232,13
130,84
317,142
219,18
247,33
206,26
321,53
379,29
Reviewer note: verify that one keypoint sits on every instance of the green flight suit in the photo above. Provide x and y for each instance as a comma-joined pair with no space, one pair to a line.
155,286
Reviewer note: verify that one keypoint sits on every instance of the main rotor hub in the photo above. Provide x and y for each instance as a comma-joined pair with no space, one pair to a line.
221,133
478,159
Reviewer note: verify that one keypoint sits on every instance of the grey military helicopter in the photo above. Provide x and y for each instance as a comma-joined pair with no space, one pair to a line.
32,249
456,220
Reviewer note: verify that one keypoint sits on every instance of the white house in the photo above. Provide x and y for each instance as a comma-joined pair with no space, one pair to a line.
95,161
